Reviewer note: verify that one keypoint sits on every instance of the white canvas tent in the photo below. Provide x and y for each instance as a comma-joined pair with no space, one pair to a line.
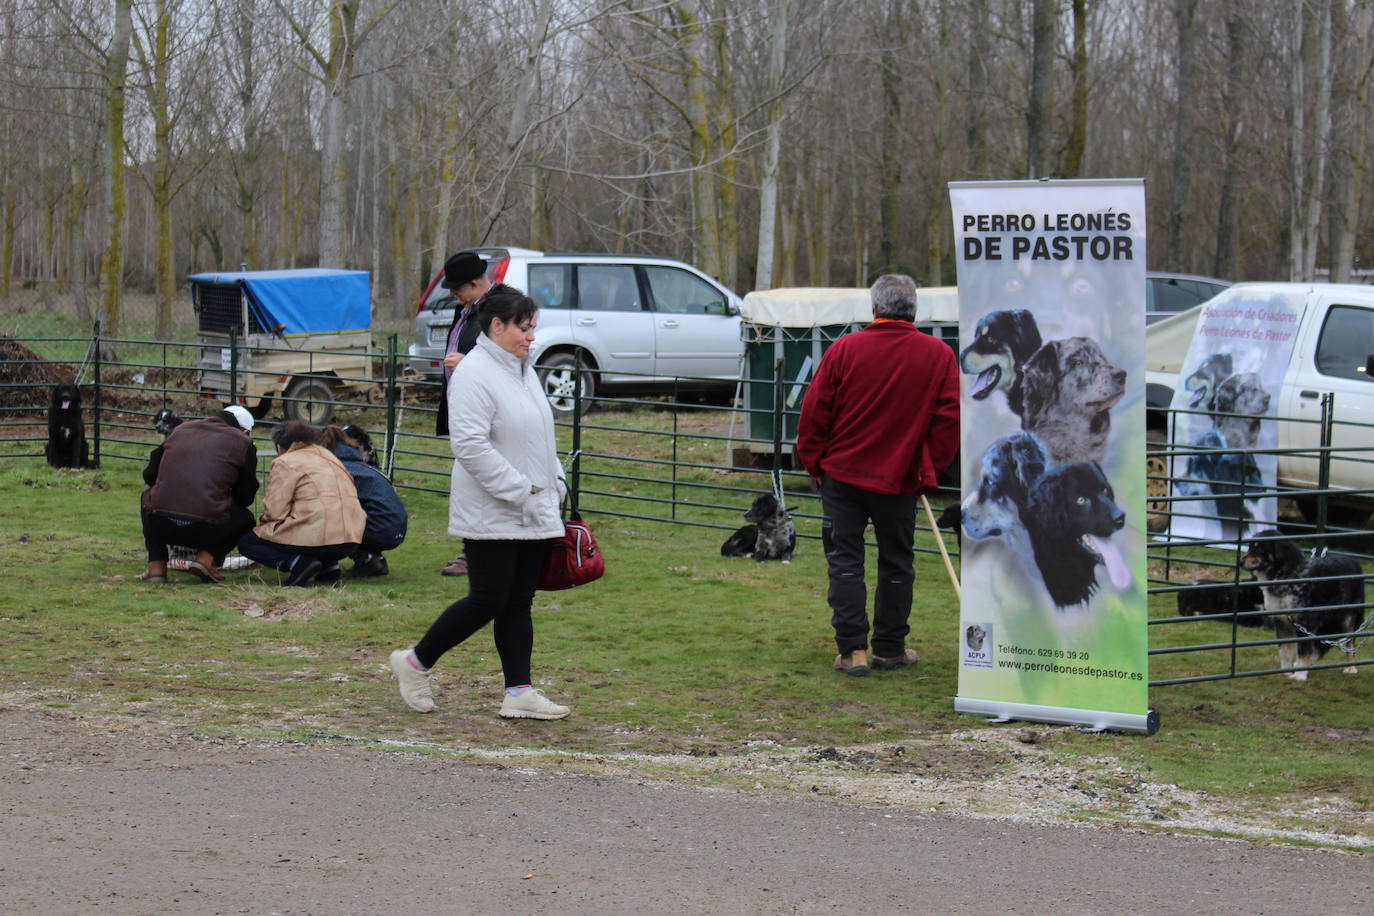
815,307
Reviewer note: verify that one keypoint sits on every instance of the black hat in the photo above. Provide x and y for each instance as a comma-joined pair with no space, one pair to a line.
463,267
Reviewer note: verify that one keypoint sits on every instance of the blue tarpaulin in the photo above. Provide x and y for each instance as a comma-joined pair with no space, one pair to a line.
306,301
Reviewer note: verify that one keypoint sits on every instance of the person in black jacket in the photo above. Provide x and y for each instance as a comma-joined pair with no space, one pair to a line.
386,515
201,482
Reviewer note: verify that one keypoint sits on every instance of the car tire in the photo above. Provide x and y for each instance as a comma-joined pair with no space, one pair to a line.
557,374
309,398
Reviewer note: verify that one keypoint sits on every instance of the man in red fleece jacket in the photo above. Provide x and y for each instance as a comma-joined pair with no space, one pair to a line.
880,420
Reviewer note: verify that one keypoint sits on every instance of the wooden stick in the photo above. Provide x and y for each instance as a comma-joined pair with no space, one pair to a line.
939,539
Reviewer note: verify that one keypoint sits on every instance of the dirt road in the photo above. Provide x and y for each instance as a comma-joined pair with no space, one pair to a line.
115,819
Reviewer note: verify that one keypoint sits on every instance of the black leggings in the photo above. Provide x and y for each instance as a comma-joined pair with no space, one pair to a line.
501,582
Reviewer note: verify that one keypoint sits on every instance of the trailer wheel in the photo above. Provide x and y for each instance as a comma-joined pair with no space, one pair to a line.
1156,480
309,398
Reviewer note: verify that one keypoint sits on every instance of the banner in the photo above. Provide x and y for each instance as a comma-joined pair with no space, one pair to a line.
1228,385
1052,353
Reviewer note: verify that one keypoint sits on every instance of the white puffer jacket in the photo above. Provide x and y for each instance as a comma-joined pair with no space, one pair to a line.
501,430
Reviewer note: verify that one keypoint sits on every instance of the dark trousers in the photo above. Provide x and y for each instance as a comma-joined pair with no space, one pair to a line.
215,539
282,556
502,576
848,510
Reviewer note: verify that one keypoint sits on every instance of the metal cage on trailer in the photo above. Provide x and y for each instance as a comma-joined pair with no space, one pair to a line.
786,331
298,336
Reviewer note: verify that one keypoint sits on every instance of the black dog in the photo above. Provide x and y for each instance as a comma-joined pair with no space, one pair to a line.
1002,342
165,420
1071,516
1216,596
772,536
66,429
1339,602
364,443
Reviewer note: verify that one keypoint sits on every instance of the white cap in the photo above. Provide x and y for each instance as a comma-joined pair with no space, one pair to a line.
241,414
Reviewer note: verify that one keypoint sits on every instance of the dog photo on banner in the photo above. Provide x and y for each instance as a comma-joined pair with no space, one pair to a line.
1052,355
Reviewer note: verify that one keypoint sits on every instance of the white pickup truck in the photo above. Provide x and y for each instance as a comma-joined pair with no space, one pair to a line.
1333,353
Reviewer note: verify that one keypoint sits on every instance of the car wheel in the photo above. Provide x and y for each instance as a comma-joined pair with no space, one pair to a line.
558,374
310,399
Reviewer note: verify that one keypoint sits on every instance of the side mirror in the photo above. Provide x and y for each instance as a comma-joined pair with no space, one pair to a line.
732,309
1369,367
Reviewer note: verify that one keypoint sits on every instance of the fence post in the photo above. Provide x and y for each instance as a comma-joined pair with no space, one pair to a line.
778,417
95,407
575,487
390,406
233,364
1324,462
677,395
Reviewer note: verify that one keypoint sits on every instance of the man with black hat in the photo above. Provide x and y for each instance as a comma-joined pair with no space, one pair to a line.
465,273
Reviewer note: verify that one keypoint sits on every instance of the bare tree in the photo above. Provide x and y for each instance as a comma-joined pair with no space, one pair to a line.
1039,109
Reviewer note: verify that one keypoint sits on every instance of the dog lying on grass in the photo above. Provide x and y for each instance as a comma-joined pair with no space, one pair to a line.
772,536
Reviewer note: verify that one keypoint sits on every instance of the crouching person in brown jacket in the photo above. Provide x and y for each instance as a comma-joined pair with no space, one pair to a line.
311,518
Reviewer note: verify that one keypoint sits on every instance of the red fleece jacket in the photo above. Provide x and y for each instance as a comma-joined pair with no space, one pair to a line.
883,410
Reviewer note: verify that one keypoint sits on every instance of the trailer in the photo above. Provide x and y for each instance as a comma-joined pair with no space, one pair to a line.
786,331
302,338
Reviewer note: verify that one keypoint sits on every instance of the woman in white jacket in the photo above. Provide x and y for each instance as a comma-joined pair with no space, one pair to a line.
504,499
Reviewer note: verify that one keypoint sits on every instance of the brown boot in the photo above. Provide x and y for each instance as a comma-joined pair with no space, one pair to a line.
203,567
156,571
855,663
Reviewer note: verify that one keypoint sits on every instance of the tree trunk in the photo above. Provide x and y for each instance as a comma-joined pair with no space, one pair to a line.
333,154
1078,68
890,65
977,115
1039,109
164,278
1321,116
1185,102
447,179
723,114
248,160
112,260
775,112
706,221
1350,157
1228,212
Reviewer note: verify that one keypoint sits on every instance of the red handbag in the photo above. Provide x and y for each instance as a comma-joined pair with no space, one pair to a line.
573,559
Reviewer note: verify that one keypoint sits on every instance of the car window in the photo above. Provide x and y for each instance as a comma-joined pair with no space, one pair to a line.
608,287
549,285
1172,296
1346,343
679,292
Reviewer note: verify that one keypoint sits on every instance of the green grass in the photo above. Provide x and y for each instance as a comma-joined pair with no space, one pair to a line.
677,651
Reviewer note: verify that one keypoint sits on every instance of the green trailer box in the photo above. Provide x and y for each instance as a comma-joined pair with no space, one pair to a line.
786,331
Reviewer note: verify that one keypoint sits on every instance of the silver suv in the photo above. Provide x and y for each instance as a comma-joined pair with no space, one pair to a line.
645,325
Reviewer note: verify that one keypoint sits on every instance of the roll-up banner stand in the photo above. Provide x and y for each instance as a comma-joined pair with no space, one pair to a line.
1052,353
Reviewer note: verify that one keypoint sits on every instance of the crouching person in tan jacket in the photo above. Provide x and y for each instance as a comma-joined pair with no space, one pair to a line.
311,518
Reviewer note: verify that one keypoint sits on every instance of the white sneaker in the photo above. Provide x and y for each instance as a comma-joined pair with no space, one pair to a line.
532,704
414,684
